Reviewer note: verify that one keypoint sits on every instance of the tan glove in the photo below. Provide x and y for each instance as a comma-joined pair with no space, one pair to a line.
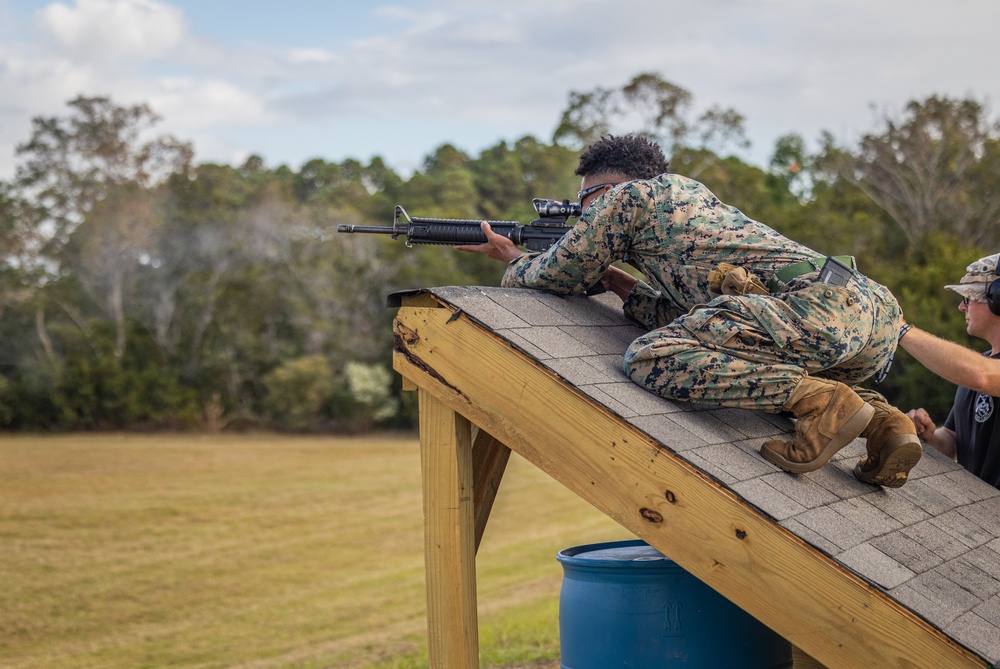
732,280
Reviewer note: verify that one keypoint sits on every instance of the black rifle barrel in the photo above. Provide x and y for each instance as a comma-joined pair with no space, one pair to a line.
447,231
376,229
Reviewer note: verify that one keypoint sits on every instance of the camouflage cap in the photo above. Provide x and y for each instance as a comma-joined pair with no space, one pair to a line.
977,277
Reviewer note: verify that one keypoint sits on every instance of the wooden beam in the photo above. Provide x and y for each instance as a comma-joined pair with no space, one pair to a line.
489,461
449,529
789,585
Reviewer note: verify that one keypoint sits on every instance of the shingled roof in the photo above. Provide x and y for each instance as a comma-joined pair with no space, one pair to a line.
932,547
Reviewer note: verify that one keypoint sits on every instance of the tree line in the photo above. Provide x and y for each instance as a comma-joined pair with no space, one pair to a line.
139,290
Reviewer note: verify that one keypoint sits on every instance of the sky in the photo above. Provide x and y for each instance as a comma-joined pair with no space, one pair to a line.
293,80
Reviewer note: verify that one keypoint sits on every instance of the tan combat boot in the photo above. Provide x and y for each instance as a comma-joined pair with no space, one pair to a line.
893,447
829,415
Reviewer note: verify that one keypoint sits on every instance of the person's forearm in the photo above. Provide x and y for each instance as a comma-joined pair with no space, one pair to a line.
943,440
619,282
953,362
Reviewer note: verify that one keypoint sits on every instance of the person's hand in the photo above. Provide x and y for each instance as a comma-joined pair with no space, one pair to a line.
618,281
923,423
497,246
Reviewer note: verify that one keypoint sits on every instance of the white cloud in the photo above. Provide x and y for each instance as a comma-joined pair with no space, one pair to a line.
109,30
194,104
303,56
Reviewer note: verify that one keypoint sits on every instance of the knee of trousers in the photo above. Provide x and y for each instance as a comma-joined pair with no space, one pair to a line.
644,352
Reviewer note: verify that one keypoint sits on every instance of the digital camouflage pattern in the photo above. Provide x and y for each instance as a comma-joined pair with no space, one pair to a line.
747,351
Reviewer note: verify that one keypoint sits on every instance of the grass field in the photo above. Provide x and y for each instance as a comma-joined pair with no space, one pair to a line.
257,552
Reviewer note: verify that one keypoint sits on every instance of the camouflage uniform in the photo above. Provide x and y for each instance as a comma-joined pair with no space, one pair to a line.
746,351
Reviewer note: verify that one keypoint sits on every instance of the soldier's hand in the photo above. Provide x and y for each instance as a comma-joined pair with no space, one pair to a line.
618,281
497,246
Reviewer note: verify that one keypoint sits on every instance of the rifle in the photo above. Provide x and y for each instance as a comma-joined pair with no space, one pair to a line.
538,235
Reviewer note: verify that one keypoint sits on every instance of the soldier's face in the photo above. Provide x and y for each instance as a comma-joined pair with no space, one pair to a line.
592,188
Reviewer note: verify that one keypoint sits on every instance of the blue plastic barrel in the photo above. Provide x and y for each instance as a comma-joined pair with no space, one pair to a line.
624,604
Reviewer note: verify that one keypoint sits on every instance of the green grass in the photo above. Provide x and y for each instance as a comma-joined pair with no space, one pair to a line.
257,552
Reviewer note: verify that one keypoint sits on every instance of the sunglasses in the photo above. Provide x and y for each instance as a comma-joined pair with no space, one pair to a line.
589,191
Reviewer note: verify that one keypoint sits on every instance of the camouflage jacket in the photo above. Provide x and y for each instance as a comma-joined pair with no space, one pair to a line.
673,230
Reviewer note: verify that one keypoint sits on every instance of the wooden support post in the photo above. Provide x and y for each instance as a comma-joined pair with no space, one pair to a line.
489,461
449,535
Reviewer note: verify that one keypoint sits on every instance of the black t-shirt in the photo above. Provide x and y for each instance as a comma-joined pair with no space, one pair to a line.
973,418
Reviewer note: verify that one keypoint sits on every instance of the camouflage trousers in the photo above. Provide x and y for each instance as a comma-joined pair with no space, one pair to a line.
751,351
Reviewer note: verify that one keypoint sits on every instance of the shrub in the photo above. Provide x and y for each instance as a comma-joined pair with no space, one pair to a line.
298,391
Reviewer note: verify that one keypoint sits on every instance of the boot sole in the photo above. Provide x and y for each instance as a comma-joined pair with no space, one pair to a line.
900,455
850,431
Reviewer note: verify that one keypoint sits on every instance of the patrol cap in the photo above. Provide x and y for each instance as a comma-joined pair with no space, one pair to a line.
977,277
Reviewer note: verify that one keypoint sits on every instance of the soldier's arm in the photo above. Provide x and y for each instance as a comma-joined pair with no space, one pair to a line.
583,255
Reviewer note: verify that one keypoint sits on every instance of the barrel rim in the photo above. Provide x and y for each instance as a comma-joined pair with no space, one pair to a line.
575,556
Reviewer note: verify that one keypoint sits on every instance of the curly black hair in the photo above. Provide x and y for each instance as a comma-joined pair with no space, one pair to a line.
633,156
